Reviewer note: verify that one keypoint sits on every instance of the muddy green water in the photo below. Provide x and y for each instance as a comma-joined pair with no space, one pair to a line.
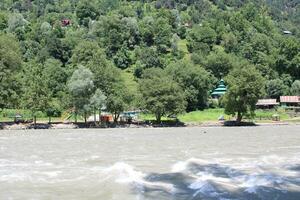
151,164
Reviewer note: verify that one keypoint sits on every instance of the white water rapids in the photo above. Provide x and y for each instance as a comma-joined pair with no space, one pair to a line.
151,164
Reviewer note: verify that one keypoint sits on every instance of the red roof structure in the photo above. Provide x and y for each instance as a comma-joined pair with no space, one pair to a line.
267,102
65,22
290,99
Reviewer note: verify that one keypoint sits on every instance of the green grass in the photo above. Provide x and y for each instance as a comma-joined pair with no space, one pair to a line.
150,117
267,114
212,115
203,116
182,46
130,83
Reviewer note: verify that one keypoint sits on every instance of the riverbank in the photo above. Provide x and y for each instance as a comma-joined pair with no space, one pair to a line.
22,126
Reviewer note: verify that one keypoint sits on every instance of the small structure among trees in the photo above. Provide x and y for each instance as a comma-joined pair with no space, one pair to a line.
267,103
65,22
220,90
290,101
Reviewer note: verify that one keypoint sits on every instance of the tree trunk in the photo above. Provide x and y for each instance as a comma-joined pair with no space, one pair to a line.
85,118
95,117
116,117
158,117
75,113
239,117
34,120
49,119
99,116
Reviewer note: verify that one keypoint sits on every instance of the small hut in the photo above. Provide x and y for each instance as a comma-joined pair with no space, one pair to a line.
220,90
267,103
290,101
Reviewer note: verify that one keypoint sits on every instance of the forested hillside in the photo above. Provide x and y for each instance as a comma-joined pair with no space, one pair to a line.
164,56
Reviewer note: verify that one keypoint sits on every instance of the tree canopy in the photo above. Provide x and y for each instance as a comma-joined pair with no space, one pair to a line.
125,46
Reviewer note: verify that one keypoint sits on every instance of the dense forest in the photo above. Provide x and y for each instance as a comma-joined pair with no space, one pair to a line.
163,56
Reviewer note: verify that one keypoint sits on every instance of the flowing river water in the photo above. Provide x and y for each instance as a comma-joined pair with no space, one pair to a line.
151,164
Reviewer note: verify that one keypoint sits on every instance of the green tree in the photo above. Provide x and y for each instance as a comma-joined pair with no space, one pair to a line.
295,90
98,102
245,87
161,95
89,54
81,87
55,76
86,10
201,38
195,81
118,100
36,94
276,88
220,63
10,65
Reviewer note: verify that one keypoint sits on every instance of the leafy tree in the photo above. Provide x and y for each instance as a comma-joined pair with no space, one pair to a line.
201,38
147,58
220,63
122,58
17,24
3,20
93,57
55,76
81,87
36,94
161,95
195,81
10,65
276,88
85,11
162,34
295,90
54,108
98,102
117,100
245,87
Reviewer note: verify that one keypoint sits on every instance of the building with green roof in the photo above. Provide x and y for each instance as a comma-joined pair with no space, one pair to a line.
220,90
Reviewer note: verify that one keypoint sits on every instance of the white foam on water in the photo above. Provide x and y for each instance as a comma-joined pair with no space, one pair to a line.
182,165
126,174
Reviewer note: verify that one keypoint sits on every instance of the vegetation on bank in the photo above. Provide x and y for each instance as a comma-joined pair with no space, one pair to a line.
164,57
207,115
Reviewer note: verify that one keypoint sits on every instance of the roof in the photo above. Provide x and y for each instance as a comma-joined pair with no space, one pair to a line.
267,102
221,89
287,32
290,99
218,93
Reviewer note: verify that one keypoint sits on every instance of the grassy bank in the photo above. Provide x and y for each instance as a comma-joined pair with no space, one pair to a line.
212,115
203,116
208,115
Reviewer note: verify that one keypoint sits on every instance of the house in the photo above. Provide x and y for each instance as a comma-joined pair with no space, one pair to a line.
290,101
65,22
267,103
220,90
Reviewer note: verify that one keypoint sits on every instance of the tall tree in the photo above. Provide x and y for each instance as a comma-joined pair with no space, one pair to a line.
245,87
118,100
81,86
10,65
195,81
98,102
295,89
161,95
36,94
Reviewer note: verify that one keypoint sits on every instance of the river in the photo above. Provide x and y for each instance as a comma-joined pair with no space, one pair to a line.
151,164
